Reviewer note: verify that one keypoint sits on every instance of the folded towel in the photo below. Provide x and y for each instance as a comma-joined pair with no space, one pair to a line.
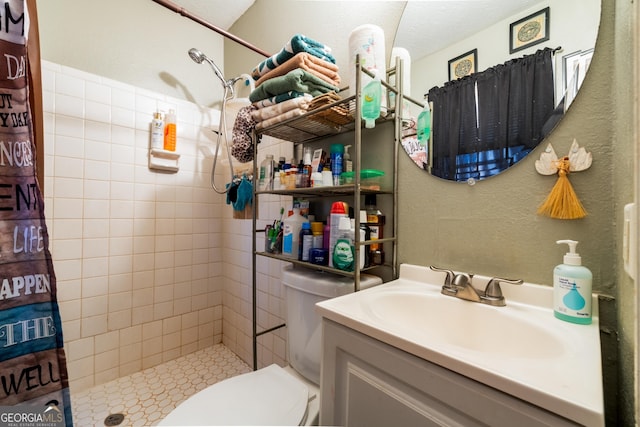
273,110
322,100
280,118
297,44
327,71
298,80
281,97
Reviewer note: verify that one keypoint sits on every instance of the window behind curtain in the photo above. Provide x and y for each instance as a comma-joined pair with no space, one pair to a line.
485,122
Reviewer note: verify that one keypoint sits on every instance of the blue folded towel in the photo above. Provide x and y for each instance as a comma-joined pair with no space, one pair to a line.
297,44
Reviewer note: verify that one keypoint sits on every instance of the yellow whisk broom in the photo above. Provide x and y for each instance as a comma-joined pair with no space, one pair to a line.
562,202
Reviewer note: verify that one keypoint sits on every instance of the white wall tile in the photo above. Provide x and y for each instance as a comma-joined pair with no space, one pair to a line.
123,236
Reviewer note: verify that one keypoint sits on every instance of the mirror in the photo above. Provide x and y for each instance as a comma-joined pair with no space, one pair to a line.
479,35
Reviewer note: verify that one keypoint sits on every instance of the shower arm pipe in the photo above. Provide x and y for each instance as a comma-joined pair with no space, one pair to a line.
182,11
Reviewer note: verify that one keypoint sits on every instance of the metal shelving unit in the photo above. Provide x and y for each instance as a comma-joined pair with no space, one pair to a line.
333,119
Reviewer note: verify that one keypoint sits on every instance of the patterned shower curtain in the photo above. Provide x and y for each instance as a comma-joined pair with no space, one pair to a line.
34,387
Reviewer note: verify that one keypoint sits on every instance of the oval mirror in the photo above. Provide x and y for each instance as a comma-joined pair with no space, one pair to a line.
444,43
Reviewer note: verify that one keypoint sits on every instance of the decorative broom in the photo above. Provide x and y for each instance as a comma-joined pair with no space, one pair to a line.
562,202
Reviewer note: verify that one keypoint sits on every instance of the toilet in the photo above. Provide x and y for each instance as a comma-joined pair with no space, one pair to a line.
275,395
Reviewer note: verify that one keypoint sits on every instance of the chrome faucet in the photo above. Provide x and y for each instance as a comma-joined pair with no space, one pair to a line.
460,286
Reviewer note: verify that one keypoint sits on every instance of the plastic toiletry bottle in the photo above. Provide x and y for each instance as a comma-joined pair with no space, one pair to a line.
326,234
170,131
291,233
347,163
424,125
371,96
343,252
337,153
306,168
306,241
157,131
338,210
572,287
317,229
365,234
375,221
265,181
358,250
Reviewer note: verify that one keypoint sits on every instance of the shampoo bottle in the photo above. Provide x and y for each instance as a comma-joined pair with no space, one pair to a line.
371,98
170,131
157,131
572,288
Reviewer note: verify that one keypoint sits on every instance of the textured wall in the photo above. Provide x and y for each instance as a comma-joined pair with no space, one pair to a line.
492,228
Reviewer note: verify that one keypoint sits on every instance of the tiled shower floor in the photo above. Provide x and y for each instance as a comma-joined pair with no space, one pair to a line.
146,397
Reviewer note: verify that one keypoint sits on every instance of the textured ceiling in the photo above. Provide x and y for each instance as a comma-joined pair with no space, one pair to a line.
426,26
221,13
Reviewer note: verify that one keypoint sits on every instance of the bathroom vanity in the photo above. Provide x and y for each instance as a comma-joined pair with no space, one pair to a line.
404,354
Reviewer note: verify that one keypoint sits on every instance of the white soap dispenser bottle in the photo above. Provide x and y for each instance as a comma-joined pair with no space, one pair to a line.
572,288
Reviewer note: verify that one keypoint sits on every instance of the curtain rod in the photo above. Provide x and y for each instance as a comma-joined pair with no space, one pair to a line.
182,11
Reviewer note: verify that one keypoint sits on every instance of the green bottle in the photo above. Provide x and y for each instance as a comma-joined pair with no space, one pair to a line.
344,250
371,97
424,125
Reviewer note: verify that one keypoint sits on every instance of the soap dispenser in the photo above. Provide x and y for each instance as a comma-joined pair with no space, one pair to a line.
572,288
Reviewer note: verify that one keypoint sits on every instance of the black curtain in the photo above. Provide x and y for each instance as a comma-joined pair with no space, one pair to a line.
487,121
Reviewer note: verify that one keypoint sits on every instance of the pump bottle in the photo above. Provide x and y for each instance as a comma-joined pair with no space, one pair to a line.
572,288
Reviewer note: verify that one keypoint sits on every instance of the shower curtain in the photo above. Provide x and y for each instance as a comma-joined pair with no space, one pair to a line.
487,121
33,374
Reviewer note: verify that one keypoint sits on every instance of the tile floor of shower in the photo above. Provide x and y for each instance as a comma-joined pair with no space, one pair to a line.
146,397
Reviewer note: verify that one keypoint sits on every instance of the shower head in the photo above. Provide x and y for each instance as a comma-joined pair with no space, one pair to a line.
197,56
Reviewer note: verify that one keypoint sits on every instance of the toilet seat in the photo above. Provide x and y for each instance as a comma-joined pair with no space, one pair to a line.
268,396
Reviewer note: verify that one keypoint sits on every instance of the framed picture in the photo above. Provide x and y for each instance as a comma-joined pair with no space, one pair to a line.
463,65
574,69
529,31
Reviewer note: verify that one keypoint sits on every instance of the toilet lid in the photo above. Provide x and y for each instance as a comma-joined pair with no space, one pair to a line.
268,396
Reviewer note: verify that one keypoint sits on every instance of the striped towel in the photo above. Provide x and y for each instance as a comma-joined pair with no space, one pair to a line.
316,66
297,44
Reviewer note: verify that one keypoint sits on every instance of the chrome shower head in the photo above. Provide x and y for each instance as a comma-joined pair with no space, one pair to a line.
197,57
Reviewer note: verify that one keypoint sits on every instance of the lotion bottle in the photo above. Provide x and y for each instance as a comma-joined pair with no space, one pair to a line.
572,288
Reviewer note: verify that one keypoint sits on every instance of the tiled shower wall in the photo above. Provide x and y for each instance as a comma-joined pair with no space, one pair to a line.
145,260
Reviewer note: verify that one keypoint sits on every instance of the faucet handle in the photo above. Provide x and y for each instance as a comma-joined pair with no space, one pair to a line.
449,276
493,290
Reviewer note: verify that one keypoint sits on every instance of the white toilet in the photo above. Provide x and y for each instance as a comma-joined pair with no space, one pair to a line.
274,395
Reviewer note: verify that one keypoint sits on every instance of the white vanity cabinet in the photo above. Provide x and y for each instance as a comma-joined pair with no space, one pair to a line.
365,382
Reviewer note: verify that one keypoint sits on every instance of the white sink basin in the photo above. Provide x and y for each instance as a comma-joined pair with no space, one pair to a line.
497,331
520,349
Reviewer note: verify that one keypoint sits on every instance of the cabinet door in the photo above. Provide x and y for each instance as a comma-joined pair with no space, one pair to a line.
368,383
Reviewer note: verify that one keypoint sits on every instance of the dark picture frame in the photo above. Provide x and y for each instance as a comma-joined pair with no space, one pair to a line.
529,31
463,65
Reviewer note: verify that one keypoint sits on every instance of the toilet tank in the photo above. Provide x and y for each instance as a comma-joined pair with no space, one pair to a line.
303,289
